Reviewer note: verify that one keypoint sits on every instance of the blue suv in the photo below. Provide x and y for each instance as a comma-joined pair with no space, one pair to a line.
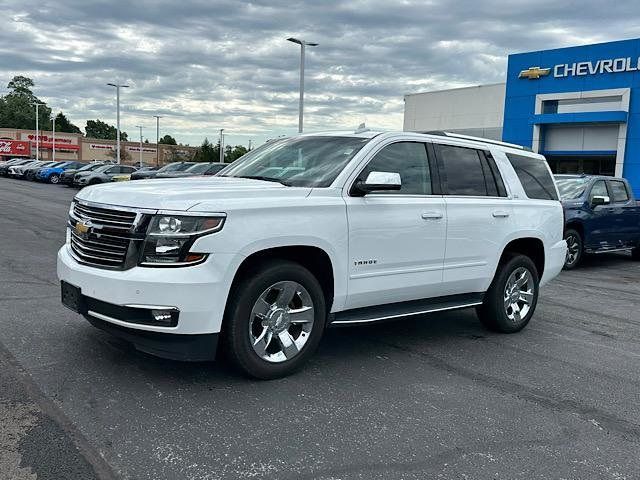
52,174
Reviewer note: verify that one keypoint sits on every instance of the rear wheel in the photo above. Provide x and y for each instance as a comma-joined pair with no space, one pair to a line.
55,178
635,254
274,320
512,297
575,249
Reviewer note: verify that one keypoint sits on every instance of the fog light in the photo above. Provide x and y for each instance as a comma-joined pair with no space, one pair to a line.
164,317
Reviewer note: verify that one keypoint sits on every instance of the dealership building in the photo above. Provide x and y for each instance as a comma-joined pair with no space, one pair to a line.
579,106
16,143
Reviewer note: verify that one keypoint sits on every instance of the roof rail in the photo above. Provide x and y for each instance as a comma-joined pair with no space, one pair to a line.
475,139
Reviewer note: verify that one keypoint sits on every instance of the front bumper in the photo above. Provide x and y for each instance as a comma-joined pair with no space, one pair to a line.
554,261
198,292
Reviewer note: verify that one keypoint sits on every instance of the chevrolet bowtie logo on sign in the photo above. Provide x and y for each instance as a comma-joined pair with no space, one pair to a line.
533,73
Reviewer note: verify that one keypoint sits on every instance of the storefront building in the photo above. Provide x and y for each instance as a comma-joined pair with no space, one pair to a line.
15,143
579,106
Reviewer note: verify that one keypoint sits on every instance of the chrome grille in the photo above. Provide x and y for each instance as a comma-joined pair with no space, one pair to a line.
107,241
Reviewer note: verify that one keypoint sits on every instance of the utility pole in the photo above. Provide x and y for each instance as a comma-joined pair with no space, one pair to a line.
37,131
249,144
140,127
221,146
118,86
157,117
303,45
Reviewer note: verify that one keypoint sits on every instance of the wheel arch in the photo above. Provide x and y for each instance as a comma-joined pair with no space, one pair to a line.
532,247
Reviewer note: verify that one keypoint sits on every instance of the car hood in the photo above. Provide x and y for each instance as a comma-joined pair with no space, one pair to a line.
185,193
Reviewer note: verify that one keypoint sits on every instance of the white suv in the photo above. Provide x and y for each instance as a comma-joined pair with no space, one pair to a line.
310,232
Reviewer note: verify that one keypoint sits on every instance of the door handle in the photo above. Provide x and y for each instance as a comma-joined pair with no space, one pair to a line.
500,214
432,216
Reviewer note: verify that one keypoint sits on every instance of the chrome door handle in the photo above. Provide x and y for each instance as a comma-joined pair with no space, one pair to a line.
432,216
500,214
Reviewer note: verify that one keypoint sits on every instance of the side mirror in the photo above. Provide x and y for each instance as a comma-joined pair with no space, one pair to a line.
379,182
600,200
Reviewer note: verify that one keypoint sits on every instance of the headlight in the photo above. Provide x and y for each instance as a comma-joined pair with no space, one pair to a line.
170,237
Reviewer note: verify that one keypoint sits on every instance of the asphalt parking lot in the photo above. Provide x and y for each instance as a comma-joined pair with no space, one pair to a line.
430,397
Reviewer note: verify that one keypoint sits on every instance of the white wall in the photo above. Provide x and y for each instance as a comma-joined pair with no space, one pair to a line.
475,110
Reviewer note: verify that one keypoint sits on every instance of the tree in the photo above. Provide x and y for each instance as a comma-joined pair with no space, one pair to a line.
207,152
231,155
168,140
64,125
99,129
17,109
124,155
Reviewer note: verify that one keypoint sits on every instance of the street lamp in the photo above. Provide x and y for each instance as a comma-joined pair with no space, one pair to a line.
221,146
303,44
37,104
140,127
118,86
157,117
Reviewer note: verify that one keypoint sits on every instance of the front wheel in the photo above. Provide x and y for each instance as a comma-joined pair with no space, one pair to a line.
54,178
275,320
512,297
575,249
635,253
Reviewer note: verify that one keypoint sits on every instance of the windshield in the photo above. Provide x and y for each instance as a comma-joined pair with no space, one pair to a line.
298,161
90,167
175,167
571,188
198,168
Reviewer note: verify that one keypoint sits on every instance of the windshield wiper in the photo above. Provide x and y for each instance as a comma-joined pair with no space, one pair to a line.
262,177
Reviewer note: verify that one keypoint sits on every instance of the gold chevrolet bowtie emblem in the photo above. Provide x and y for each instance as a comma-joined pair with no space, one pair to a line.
533,73
82,228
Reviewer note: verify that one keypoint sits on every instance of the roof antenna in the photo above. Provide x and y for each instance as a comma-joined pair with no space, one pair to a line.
361,128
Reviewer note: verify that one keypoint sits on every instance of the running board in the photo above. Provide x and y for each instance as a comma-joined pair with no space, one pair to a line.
392,311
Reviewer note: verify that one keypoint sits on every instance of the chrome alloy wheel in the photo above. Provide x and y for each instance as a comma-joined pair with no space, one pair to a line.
518,294
281,321
573,249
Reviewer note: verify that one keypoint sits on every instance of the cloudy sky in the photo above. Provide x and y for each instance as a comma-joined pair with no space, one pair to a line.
208,64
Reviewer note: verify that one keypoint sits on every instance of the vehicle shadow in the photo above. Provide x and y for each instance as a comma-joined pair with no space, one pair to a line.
340,349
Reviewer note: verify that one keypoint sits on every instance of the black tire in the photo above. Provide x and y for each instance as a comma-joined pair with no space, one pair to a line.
635,254
492,313
55,179
237,322
95,181
575,249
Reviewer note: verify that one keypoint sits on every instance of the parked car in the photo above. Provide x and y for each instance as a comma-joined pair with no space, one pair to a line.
17,171
31,171
202,168
66,178
4,167
364,227
52,174
601,215
123,177
102,174
171,167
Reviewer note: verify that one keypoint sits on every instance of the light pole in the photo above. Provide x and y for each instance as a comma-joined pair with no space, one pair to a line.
53,144
249,145
140,127
157,117
303,44
37,131
118,86
221,146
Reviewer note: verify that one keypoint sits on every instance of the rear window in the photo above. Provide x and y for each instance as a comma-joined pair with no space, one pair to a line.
535,176
619,191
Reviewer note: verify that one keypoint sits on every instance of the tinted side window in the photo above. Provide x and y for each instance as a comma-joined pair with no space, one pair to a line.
599,189
619,191
127,169
463,171
534,176
409,159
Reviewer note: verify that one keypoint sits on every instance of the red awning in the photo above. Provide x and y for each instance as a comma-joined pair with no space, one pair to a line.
59,146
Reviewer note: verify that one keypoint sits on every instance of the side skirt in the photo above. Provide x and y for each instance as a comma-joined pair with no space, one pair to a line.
394,311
